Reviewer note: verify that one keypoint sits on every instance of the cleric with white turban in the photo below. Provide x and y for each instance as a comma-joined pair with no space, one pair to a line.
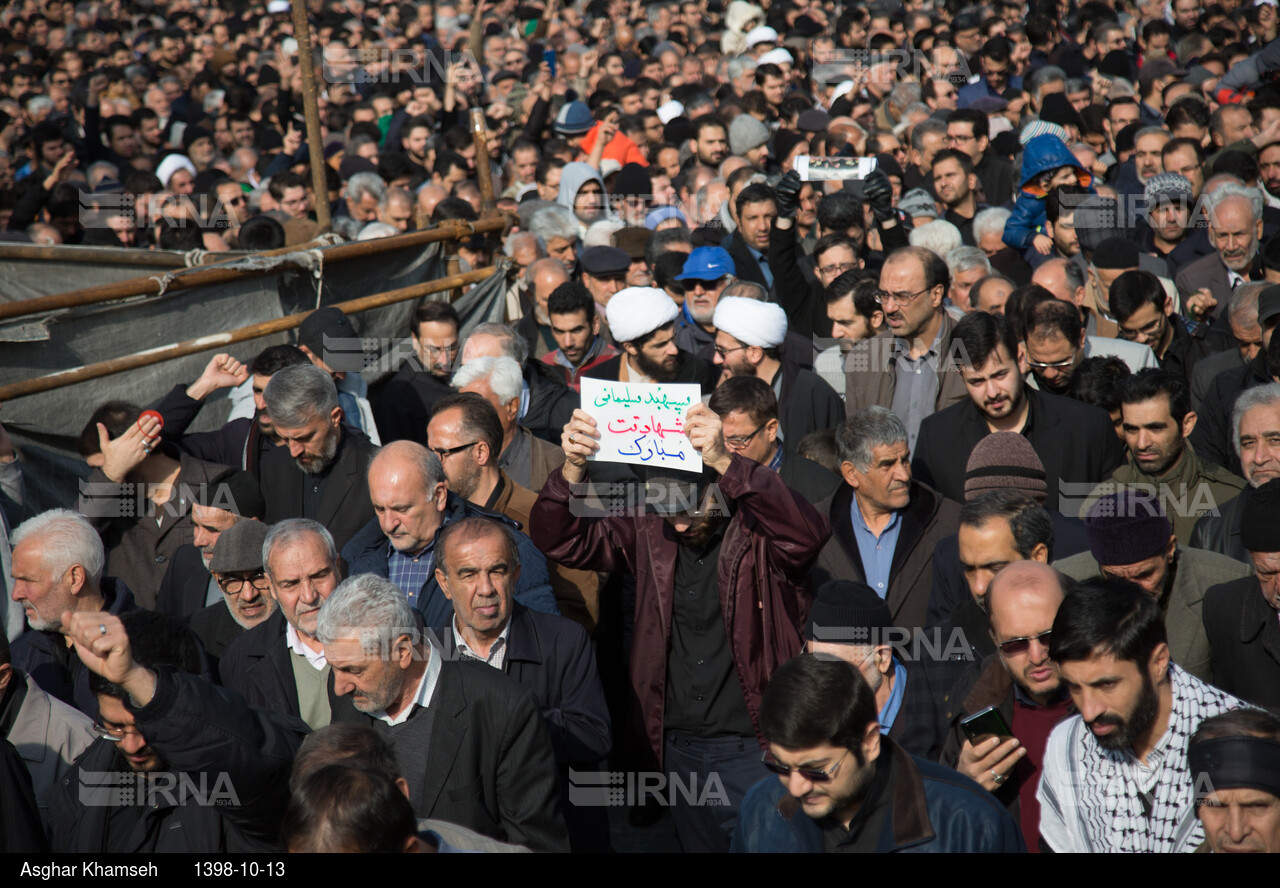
751,322
637,311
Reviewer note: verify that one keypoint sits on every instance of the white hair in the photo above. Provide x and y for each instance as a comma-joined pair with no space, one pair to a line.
990,221
289,532
555,221
1259,396
64,539
601,233
375,230
366,183
1230,190
963,258
515,241
367,607
504,375
938,236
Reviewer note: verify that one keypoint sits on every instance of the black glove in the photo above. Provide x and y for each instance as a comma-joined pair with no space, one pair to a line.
788,195
878,191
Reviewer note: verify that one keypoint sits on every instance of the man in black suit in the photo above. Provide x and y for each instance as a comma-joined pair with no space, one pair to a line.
230,497
1076,442
404,405
280,665
470,741
749,246
245,595
320,472
749,339
477,563
1240,616
241,442
748,410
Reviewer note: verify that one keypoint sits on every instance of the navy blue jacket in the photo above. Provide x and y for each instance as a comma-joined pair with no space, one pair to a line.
43,655
368,550
933,810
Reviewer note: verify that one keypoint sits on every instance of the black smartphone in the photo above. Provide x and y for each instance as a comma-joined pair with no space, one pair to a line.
985,723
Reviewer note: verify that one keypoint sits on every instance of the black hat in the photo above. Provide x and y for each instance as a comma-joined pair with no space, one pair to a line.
327,322
1268,304
676,130
633,180
1260,518
1117,63
1116,253
814,120
1057,108
598,261
234,491
192,133
354,163
847,612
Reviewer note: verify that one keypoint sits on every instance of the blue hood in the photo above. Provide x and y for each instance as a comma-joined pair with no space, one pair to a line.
1046,153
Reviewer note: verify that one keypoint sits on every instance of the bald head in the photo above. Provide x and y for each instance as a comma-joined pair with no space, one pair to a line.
406,486
1052,275
544,276
1021,587
428,197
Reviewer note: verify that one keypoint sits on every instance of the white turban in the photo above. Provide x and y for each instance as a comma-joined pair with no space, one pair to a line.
171,165
777,56
637,311
751,322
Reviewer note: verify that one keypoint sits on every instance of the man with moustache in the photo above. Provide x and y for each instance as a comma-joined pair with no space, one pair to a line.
843,787
905,368
1075,441
1256,421
319,472
279,664
1115,775
1022,683
1235,754
706,274
575,325
643,322
157,717
1240,616
236,566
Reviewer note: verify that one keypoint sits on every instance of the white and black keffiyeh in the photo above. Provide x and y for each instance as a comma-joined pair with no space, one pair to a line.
1094,799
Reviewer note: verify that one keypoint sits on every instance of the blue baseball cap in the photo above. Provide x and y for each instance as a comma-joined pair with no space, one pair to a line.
707,264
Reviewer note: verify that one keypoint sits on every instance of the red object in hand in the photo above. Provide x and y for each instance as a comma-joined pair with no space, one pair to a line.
153,414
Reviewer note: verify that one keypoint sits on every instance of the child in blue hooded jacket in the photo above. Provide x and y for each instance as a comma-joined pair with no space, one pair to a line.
1046,164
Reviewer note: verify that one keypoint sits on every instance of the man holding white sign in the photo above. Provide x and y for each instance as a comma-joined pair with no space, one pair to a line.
721,595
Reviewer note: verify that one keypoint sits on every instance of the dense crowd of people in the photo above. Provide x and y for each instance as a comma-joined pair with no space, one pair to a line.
985,550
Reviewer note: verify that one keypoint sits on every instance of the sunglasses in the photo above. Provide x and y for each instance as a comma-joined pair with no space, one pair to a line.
813,775
1015,646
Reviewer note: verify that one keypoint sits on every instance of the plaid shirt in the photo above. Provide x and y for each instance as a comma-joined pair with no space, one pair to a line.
411,573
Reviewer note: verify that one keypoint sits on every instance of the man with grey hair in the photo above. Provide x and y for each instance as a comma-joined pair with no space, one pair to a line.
927,139
1255,423
1235,229
279,665
546,402
319,472
58,559
558,228
1242,320
523,248
525,457
1043,81
411,504
884,524
396,209
490,765
967,265
359,205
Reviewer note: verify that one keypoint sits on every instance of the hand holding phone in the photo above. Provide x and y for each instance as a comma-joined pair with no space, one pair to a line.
991,752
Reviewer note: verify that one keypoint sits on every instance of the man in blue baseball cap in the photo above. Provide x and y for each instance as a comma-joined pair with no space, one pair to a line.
707,272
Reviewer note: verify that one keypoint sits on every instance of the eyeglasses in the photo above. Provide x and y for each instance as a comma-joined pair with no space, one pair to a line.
837,268
724,352
1015,646
883,296
737,442
1056,365
116,735
1151,331
813,775
234,585
452,450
